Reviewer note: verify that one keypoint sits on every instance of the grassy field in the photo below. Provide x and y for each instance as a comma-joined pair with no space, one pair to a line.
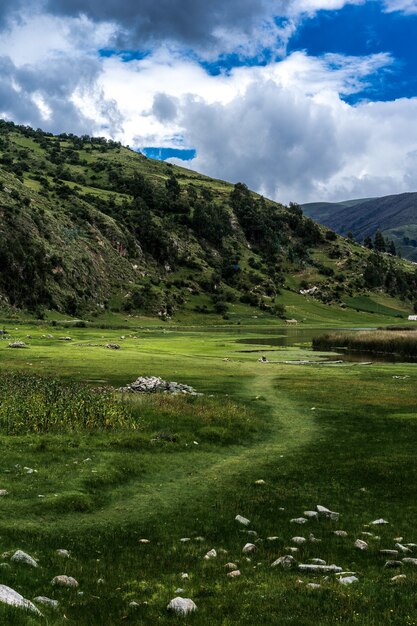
342,436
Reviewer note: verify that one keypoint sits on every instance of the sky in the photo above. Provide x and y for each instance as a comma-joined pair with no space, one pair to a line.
303,100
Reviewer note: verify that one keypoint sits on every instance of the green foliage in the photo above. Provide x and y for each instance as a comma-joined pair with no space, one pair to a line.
43,405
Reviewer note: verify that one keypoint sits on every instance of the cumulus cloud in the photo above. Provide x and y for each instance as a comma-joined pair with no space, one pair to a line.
408,7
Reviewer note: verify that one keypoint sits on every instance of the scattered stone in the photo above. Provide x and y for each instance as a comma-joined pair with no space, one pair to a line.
185,576
64,581
21,557
411,545
328,513
144,541
13,598
252,533
249,548
154,384
113,346
179,590
17,344
182,606
46,601
3,492
64,553
311,514
242,520
291,549
366,534
319,569
29,470
298,520
299,540
234,573
318,561
361,545
399,578
379,522
313,539
260,482
398,539
286,561
348,580
211,554
185,539
389,552
340,533
65,338
392,564
272,538
409,561
402,548
230,565
313,586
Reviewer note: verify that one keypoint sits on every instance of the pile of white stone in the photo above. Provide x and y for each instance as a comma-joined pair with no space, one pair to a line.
154,384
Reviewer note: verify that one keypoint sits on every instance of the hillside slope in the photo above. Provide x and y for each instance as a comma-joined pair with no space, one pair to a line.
395,216
87,225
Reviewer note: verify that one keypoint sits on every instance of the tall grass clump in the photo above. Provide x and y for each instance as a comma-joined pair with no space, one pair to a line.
400,343
32,404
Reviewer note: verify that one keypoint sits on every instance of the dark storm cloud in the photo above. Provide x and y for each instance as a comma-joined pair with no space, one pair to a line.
190,22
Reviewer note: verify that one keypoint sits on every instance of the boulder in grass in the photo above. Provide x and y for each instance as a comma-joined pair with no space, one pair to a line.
64,581
182,606
285,561
65,554
298,520
312,568
46,601
249,548
340,533
325,512
361,545
211,554
22,557
409,561
242,520
113,346
348,580
13,598
17,344
234,574
379,522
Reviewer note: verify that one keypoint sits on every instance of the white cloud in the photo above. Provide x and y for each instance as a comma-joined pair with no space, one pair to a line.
408,7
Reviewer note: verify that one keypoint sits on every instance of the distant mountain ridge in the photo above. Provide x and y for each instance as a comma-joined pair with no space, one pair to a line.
395,216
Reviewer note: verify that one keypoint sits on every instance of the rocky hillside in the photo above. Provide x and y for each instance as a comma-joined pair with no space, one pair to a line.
87,225
394,216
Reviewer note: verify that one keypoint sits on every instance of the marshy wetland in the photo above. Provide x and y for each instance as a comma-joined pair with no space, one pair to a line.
141,494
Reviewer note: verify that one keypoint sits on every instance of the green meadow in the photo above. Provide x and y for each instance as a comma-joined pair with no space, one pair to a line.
267,441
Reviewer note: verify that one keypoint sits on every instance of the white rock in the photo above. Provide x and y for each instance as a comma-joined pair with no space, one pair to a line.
242,520
313,539
144,541
291,549
272,538
361,545
211,554
64,581
402,548
399,578
185,539
185,576
313,586
230,565
234,573
299,540
179,590
318,561
311,514
284,561
21,557
248,548
64,553
13,598
328,513
348,580
409,560
340,533
298,520
46,601
260,482
319,569
389,552
3,492
411,545
182,606
378,522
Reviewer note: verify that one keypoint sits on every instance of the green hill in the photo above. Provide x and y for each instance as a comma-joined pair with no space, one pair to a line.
395,216
88,226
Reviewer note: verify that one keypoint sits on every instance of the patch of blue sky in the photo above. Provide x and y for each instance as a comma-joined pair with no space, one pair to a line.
358,30
162,154
225,63
124,55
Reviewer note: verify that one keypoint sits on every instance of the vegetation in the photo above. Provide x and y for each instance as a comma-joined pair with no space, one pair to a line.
89,227
103,490
402,343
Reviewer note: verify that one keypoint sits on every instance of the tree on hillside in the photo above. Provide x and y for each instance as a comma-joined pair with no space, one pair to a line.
379,242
